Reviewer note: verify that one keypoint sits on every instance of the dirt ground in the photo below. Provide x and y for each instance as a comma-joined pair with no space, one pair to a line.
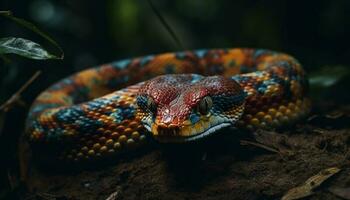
230,165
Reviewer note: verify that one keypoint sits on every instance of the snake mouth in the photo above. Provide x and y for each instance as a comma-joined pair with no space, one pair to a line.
187,131
172,136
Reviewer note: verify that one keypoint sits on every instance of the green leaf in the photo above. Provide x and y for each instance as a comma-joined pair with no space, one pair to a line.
32,27
25,48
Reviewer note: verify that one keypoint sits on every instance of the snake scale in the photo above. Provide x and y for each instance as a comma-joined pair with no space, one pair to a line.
172,97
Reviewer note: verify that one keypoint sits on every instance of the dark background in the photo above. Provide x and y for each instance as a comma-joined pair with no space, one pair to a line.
95,32
90,32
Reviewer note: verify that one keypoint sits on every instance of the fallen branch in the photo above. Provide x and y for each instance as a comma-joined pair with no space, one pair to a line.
16,97
310,184
245,142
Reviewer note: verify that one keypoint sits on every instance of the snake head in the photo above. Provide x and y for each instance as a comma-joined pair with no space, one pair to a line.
187,107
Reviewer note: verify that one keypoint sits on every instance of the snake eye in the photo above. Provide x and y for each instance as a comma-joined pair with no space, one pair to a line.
205,105
146,103
151,105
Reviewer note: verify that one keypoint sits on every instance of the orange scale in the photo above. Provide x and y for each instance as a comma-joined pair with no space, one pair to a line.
120,128
101,130
266,78
102,140
128,131
278,115
268,119
254,122
291,106
282,108
288,112
272,111
130,99
103,149
140,127
135,135
133,124
260,115
109,108
102,116
112,126
115,135
246,88
126,122
84,149
121,103
107,132
97,114
122,139
105,121
109,142
96,146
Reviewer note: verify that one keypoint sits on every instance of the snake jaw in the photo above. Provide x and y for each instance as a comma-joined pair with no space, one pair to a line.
188,132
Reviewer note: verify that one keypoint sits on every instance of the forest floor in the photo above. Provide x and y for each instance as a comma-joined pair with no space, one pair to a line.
312,158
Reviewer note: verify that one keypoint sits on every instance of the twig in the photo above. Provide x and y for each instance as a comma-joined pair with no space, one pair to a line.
308,187
113,196
245,142
165,24
11,180
15,98
6,12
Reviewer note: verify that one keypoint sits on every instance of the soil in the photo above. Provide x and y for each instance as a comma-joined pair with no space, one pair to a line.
229,165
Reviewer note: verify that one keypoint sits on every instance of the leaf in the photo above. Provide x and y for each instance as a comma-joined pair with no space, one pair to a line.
310,184
327,76
32,27
25,48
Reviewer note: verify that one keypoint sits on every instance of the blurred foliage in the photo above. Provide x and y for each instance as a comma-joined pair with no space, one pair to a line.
328,76
330,84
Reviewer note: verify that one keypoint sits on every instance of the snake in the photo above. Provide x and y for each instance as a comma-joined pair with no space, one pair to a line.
179,97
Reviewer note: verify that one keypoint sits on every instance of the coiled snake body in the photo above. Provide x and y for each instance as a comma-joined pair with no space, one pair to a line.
176,97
